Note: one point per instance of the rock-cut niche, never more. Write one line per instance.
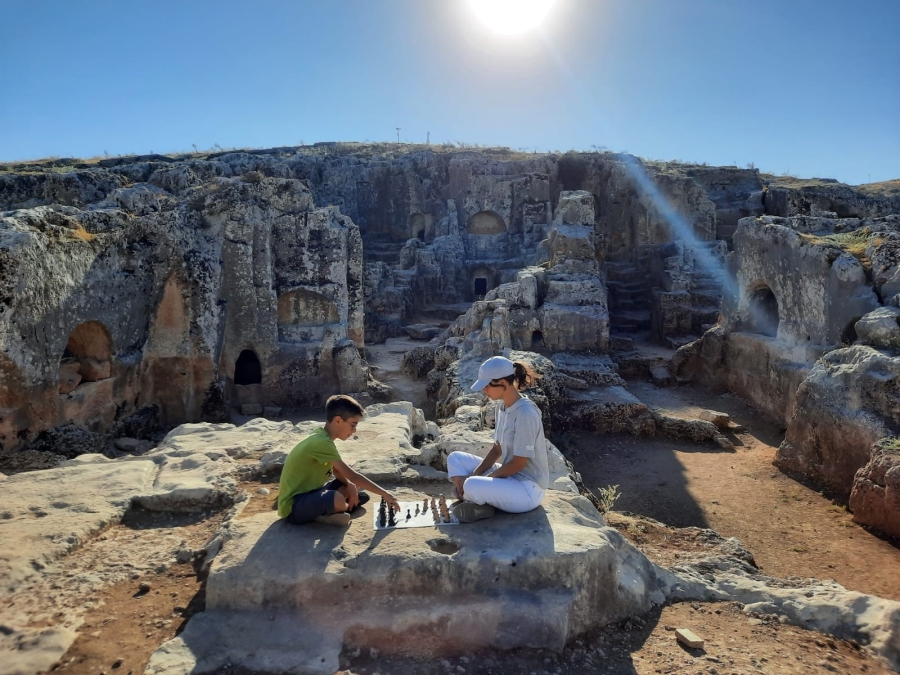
(87, 356)
(486, 222)
(303, 316)
(421, 227)
(482, 281)
(247, 368)
(762, 312)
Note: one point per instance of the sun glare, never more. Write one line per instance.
(511, 16)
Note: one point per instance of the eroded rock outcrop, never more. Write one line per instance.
(214, 292)
(798, 287)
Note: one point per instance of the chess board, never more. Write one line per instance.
(423, 519)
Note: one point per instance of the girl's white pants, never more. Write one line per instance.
(508, 494)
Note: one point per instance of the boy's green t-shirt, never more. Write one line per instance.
(306, 468)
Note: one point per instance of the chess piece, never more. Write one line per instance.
(417, 508)
(392, 521)
(425, 505)
(382, 513)
(434, 514)
(408, 516)
(445, 512)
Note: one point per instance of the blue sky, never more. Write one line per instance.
(808, 87)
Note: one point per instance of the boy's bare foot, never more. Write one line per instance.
(339, 519)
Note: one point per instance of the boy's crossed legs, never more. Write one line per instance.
(329, 504)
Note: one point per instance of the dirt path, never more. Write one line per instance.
(385, 361)
(791, 529)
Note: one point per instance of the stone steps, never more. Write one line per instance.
(640, 319)
(705, 297)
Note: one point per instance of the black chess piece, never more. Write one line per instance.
(391, 519)
(382, 513)
(408, 515)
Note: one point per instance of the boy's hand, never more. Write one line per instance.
(352, 495)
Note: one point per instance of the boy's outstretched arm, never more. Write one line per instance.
(351, 477)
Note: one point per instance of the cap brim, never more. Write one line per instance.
(479, 385)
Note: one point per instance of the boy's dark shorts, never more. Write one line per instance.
(310, 505)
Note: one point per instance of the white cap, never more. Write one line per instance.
(493, 369)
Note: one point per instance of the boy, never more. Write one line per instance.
(305, 493)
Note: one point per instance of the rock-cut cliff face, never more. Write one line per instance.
(183, 298)
(182, 286)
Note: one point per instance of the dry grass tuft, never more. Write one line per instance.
(82, 234)
(855, 243)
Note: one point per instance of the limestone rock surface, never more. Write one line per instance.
(844, 405)
(875, 499)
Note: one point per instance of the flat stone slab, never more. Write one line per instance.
(46, 514)
(608, 409)
(528, 580)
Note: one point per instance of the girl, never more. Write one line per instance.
(517, 483)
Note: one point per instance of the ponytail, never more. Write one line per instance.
(523, 376)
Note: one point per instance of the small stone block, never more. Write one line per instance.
(660, 376)
(272, 411)
(720, 419)
(251, 409)
(688, 638)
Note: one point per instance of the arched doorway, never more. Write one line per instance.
(247, 368)
(483, 280)
(762, 312)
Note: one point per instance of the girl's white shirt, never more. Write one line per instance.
(520, 432)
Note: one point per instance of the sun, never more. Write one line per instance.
(511, 16)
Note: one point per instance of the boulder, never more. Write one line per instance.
(880, 328)
(607, 409)
(845, 404)
(251, 409)
(875, 498)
